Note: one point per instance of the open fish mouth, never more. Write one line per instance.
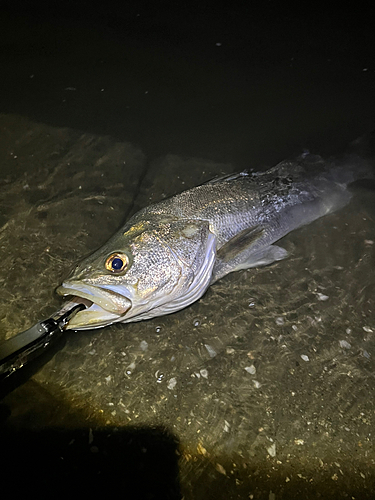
(103, 306)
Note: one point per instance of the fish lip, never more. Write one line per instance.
(108, 300)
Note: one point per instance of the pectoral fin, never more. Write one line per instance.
(248, 258)
(239, 243)
(264, 257)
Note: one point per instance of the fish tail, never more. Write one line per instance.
(364, 146)
(358, 162)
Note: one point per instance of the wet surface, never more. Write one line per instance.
(262, 389)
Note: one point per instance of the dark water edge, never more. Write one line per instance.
(264, 388)
(230, 83)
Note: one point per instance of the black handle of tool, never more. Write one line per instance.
(27, 345)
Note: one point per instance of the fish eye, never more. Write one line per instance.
(117, 262)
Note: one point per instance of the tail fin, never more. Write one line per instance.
(363, 146)
(357, 163)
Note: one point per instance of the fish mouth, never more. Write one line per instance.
(103, 306)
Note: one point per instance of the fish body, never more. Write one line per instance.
(165, 257)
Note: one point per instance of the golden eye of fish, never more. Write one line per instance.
(117, 262)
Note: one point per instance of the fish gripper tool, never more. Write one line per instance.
(26, 346)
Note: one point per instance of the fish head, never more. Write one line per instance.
(147, 269)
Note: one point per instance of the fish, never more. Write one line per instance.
(166, 255)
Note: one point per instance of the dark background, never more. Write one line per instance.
(284, 77)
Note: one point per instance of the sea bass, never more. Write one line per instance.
(165, 257)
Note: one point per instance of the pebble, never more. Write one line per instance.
(130, 368)
(144, 345)
(272, 450)
(304, 357)
(172, 383)
(251, 369)
(211, 351)
(344, 344)
(221, 469)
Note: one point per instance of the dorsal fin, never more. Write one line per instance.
(228, 177)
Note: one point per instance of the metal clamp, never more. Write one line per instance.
(27, 345)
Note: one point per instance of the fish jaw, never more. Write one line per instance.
(106, 306)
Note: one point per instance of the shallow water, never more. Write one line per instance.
(262, 389)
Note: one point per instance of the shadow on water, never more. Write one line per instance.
(137, 463)
(148, 463)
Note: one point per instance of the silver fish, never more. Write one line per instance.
(167, 254)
